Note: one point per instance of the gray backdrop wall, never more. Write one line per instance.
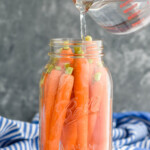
(26, 26)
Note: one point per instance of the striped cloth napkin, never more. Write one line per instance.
(131, 131)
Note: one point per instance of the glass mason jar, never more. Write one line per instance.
(75, 97)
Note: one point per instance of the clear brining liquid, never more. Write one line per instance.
(83, 7)
(83, 25)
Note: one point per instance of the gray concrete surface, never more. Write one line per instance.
(26, 26)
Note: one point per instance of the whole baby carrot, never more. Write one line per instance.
(92, 49)
(68, 140)
(47, 70)
(59, 112)
(96, 88)
(81, 92)
(91, 115)
(95, 101)
(66, 54)
(50, 89)
(101, 135)
(43, 81)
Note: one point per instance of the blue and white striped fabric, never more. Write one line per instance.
(16, 135)
(131, 131)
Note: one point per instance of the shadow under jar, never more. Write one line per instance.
(75, 97)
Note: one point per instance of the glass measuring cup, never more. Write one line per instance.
(117, 16)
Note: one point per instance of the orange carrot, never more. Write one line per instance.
(95, 101)
(94, 94)
(91, 48)
(91, 68)
(42, 119)
(47, 70)
(43, 81)
(66, 58)
(96, 89)
(50, 89)
(81, 92)
(102, 134)
(69, 135)
(60, 108)
(66, 54)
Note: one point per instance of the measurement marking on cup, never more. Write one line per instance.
(126, 3)
(134, 15)
(130, 8)
(137, 23)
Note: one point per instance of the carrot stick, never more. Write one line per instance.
(48, 69)
(50, 89)
(66, 50)
(101, 135)
(42, 119)
(96, 89)
(91, 68)
(69, 134)
(81, 92)
(43, 81)
(91, 50)
(95, 101)
(60, 108)
(92, 117)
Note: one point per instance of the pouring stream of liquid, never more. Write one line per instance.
(83, 6)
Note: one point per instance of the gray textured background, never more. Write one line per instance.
(26, 26)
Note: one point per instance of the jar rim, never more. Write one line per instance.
(59, 41)
(88, 47)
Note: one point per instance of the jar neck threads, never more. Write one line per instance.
(74, 48)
